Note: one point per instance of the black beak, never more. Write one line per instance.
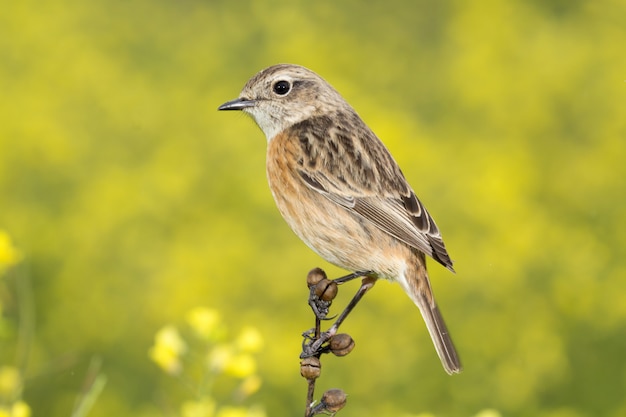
(237, 104)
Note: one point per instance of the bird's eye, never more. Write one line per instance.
(282, 87)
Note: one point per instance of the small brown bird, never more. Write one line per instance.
(341, 191)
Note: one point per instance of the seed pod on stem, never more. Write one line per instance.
(341, 344)
(314, 276)
(310, 367)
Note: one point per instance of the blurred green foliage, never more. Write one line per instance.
(133, 200)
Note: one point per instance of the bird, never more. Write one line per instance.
(341, 191)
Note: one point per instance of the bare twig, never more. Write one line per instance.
(322, 292)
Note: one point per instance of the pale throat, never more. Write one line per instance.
(273, 123)
(270, 126)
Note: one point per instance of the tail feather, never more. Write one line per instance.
(438, 333)
(417, 286)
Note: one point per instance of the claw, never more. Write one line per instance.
(320, 307)
(316, 347)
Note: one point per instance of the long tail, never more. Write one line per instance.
(418, 288)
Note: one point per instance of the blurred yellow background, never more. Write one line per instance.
(133, 201)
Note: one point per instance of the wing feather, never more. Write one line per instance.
(360, 175)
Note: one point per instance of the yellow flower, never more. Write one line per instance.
(10, 382)
(202, 408)
(204, 321)
(249, 340)
(241, 365)
(224, 358)
(250, 385)
(20, 409)
(220, 356)
(9, 255)
(167, 349)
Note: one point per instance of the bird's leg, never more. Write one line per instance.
(315, 347)
(350, 277)
(319, 306)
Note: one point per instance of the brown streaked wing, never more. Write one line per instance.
(387, 201)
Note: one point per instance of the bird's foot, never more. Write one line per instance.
(312, 346)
